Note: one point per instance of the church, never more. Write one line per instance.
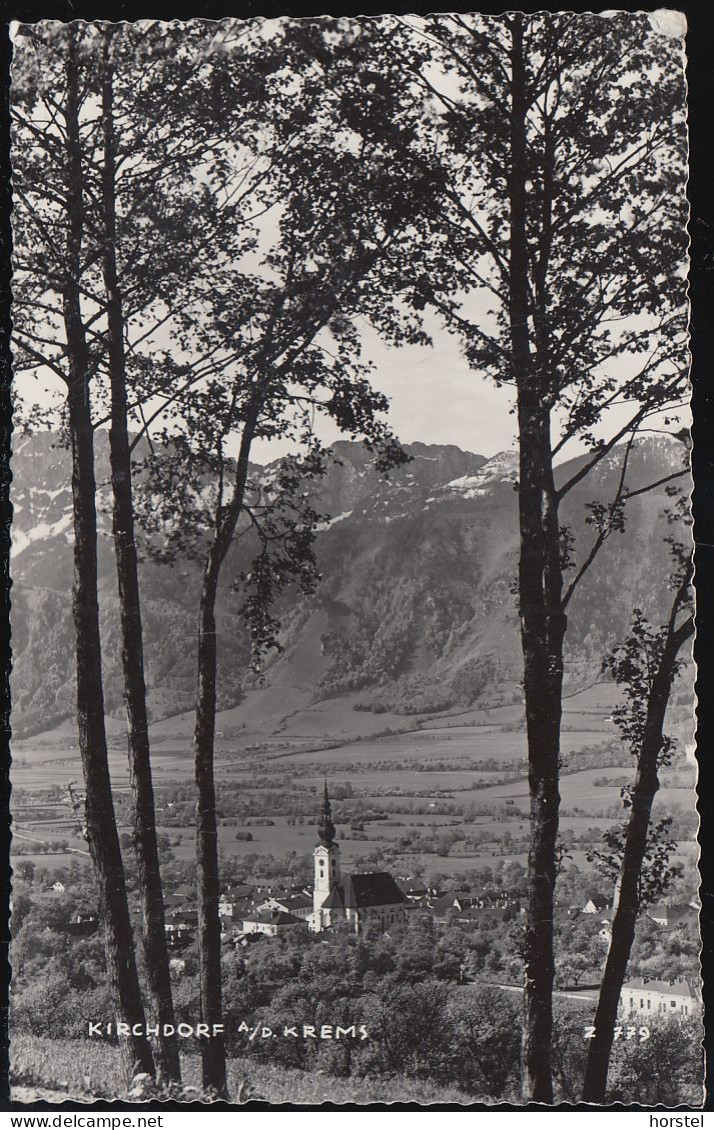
(360, 900)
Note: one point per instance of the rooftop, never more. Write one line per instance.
(669, 988)
(376, 888)
(274, 918)
(672, 911)
(297, 901)
(335, 900)
(600, 901)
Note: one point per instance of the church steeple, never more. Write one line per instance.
(327, 864)
(326, 829)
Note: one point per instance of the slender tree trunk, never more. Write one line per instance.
(543, 621)
(101, 820)
(624, 923)
(143, 812)
(543, 625)
(208, 880)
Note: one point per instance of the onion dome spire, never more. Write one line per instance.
(326, 829)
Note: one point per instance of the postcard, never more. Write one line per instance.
(353, 694)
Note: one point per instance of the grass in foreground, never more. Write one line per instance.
(94, 1071)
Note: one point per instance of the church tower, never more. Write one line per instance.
(326, 856)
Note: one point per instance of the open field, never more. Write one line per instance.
(53, 861)
(470, 743)
(458, 759)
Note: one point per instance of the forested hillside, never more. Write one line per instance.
(415, 610)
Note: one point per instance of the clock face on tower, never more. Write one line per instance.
(326, 865)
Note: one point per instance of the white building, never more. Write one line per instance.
(271, 922)
(645, 998)
(596, 904)
(296, 903)
(225, 906)
(359, 900)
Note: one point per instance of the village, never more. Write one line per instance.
(374, 903)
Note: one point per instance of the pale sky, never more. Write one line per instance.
(435, 398)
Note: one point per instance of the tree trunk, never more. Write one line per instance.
(101, 820)
(143, 812)
(208, 880)
(624, 923)
(543, 625)
(543, 621)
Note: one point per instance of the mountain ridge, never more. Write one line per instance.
(414, 612)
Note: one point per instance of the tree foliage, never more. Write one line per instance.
(560, 263)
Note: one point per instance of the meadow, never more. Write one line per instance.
(91, 1070)
(467, 762)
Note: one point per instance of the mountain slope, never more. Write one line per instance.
(415, 610)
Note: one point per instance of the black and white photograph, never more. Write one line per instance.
(353, 711)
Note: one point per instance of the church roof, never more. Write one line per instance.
(377, 888)
(335, 900)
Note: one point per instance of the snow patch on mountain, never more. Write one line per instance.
(502, 467)
(21, 540)
(333, 521)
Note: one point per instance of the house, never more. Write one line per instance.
(83, 925)
(419, 906)
(226, 904)
(648, 997)
(178, 934)
(242, 891)
(481, 897)
(670, 915)
(272, 923)
(243, 907)
(482, 915)
(238, 891)
(563, 914)
(185, 894)
(605, 919)
(298, 904)
(173, 904)
(373, 898)
(414, 890)
(596, 904)
(450, 902)
(188, 918)
(276, 886)
(58, 887)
